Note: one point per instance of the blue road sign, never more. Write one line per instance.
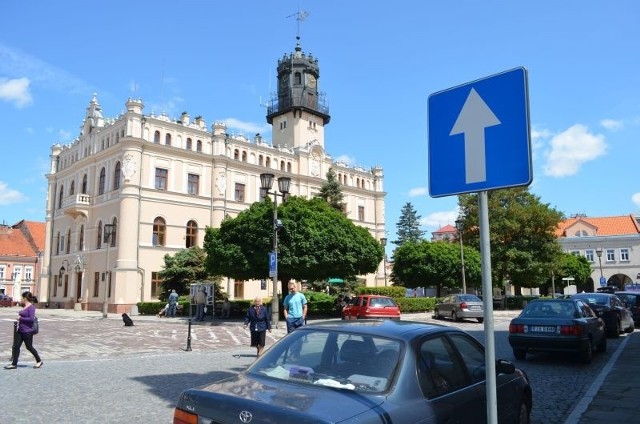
(479, 135)
(273, 264)
(603, 281)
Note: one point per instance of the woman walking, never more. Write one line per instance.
(259, 323)
(26, 316)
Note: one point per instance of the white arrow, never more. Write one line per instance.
(474, 117)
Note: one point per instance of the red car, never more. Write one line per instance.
(371, 306)
(6, 300)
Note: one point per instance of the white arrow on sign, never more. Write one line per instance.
(474, 117)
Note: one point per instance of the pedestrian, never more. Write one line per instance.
(26, 318)
(163, 311)
(173, 303)
(201, 301)
(226, 308)
(295, 308)
(259, 323)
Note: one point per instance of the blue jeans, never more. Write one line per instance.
(171, 312)
(293, 323)
(200, 312)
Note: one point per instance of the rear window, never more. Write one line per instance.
(594, 298)
(381, 301)
(470, 298)
(542, 309)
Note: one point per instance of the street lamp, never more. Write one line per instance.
(599, 253)
(266, 182)
(109, 231)
(459, 227)
(79, 267)
(383, 242)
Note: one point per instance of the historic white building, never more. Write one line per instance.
(157, 183)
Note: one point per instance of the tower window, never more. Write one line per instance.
(297, 78)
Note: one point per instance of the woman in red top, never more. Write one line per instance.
(25, 332)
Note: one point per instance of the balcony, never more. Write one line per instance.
(77, 205)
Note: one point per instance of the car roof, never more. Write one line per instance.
(373, 295)
(406, 330)
(635, 293)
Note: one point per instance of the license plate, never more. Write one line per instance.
(542, 329)
(474, 307)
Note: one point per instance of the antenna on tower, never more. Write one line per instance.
(300, 15)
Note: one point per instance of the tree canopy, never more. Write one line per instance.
(315, 242)
(408, 226)
(522, 235)
(187, 266)
(439, 264)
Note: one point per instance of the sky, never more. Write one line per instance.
(379, 63)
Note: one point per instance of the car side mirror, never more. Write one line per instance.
(504, 367)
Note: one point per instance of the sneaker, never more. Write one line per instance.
(10, 367)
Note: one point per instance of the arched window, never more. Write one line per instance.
(102, 181)
(116, 176)
(189, 144)
(167, 139)
(260, 160)
(282, 165)
(72, 189)
(114, 232)
(268, 163)
(84, 184)
(159, 231)
(60, 197)
(191, 238)
(67, 248)
(156, 137)
(288, 166)
(236, 154)
(81, 239)
(99, 240)
(244, 156)
(199, 145)
(58, 243)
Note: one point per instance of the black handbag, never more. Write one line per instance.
(35, 327)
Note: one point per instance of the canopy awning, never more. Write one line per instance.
(335, 281)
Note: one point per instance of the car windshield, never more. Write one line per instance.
(542, 309)
(342, 360)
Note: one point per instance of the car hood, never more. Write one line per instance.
(270, 401)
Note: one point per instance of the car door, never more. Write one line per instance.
(625, 315)
(445, 384)
(445, 306)
(596, 324)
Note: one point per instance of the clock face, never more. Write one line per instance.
(311, 81)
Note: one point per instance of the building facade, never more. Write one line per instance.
(136, 187)
(21, 252)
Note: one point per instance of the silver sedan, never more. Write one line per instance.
(460, 306)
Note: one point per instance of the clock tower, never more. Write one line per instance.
(298, 112)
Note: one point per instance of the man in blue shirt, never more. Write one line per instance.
(173, 303)
(295, 308)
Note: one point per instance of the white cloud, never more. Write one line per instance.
(418, 191)
(438, 220)
(345, 159)
(16, 91)
(9, 196)
(248, 127)
(572, 148)
(635, 198)
(612, 124)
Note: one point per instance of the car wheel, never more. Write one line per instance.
(602, 346)
(523, 414)
(480, 320)
(520, 354)
(630, 328)
(454, 316)
(436, 314)
(587, 354)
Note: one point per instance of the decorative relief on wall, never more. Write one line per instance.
(129, 166)
(221, 182)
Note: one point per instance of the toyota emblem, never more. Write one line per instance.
(245, 416)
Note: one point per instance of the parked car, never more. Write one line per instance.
(5, 300)
(631, 300)
(371, 306)
(610, 308)
(557, 325)
(460, 306)
(367, 372)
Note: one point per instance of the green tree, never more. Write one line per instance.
(408, 226)
(187, 266)
(574, 266)
(436, 264)
(315, 242)
(522, 236)
(332, 193)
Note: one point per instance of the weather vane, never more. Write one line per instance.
(300, 15)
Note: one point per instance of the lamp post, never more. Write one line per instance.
(460, 227)
(383, 242)
(599, 253)
(266, 182)
(109, 230)
(79, 267)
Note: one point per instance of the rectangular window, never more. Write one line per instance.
(624, 254)
(360, 213)
(611, 255)
(16, 273)
(96, 284)
(28, 273)
(589, 254)
(193, 186)
(155, 285)
(65, 293)
(239, 192)
(575, 252)
(161, 178)
(3, 270)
